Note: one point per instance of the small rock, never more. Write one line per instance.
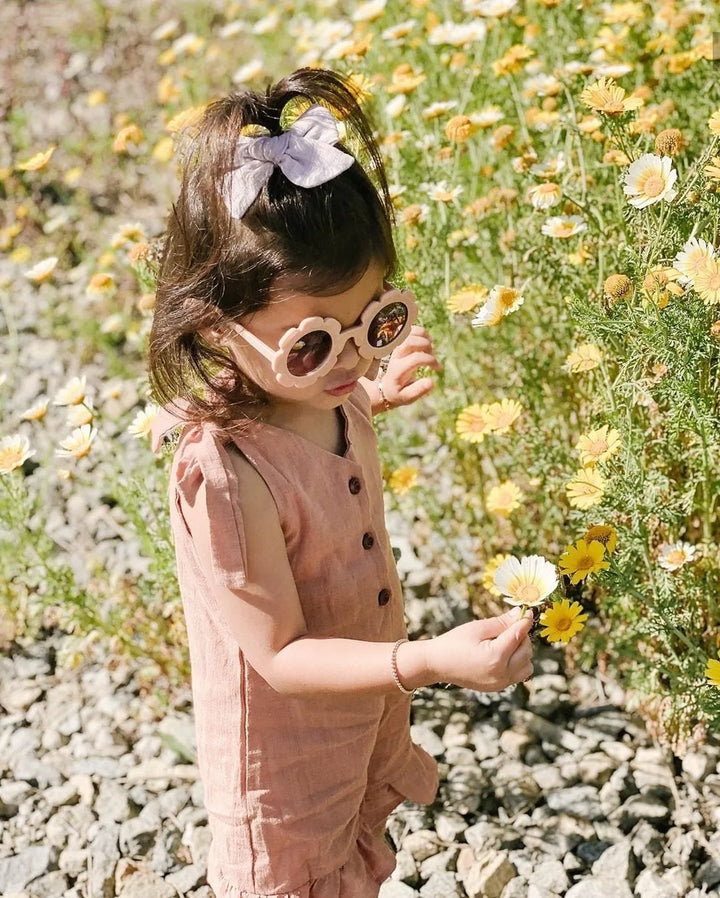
(550, 876)
(489, 875)
(441, 885)
(617, 862)
(391, 888)
(578, 801)
(422, 844)
(19, 869)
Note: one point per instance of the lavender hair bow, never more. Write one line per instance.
(305, 153)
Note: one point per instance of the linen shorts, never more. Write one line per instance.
(370, 863)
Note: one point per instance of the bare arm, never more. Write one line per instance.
(265, 617)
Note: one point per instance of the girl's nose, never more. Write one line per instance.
(349, 355)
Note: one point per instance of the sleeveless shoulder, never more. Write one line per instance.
(205, 490)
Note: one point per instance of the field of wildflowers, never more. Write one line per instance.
(555, 168)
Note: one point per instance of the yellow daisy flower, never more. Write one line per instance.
(598, 445)
(36, 162)
(511, 61)
(712, 672)
(403, 479)
(586, 489)
(714, 123)
(163, 149)
(186, 119)
(504, 498)
(129, 134)
(602, 533)
(608, 97)
(14, 449)
(467, 298)
(712, 169)
(562, 621)
(100, 283)
(582, 559)
(500, 416)
(471, 424)
(586, 357)
(488, 576)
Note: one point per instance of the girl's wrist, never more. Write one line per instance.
(411, 664)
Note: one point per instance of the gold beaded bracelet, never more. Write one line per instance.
(386, 401)
(395, 674)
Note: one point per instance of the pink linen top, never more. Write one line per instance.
(284, 776)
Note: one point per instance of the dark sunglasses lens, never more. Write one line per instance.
(310, 351)
(387, 324)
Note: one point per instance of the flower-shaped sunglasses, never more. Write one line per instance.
(309, 350)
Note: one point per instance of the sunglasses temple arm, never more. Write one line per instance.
(256, 343)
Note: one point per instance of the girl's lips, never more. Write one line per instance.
(342, 389)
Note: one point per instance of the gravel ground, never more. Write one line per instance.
(547, 789)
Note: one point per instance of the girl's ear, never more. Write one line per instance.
(212, 335)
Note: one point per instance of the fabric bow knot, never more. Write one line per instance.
(306, 154)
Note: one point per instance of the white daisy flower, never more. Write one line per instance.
(73, 393)
(142, 422)
(42, 271)
(694, 257)
(369, 11)
(487, 116)
(436, 109)
(395, 106)
(501, 301)
(550, 168)
(650, 179)
(494, 8)
(458, 35)
(526, 581)
(78, 444)
(14, 449)
(396, 34)
(166, 30)
(674, 555)
(564, 226)
(544, 196)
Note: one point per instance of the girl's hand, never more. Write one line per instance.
(485, 655)
(398, 384)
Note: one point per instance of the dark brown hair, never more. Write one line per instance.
(214, 268)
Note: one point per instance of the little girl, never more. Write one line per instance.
(273, 311)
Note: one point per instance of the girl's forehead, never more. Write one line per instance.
(294, 304)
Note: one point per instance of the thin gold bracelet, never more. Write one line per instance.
(395, 674)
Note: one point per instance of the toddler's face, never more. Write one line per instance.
(285, 311)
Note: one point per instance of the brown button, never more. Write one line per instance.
(354, 485)
(383, 597)
(367, 541)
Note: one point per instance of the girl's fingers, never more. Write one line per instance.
(409, 364)
(415, 390)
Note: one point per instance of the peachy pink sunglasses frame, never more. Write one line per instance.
(359, 333)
